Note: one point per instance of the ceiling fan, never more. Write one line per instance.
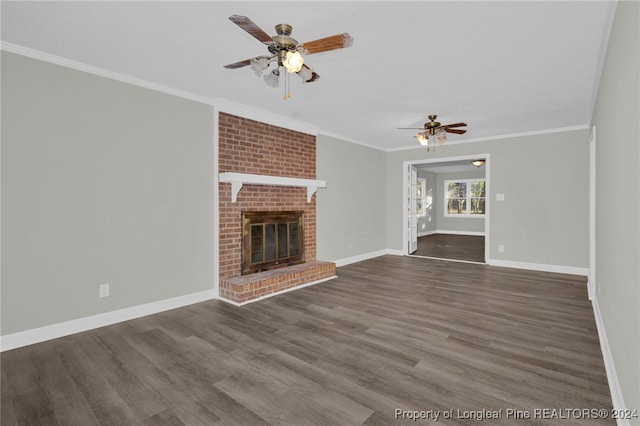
(433, 131)
(285, 51)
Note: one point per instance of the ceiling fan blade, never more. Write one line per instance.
(454, 125)
(337, 41)
(238, 64)
(456, 131)
(249, 26)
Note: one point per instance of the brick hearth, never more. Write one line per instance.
(241, 288)
(248, 146)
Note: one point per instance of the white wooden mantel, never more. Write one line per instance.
(239, 179)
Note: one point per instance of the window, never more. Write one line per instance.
(464, 198)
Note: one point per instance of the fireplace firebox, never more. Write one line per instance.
(271, 239)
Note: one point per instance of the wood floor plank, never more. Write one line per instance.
(390, 333)
(7, 410)
(451, 246)
(105, 402)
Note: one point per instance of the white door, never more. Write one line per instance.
(413, 213)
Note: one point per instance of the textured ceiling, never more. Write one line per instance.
(505, 68)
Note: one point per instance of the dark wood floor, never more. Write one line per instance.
(449, 246)
(389, 333)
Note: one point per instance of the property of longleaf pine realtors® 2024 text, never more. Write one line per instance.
(511, 413)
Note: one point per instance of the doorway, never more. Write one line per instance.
(447, 208)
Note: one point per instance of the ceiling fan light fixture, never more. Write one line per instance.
(423, 138)
(285, 51)
(272, 78)
(306, 74)
(293, 61)
(258, 65)
(433, 132)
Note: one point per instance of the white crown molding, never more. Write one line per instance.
(53, 331)
(241, 110)
(220, 103)
(251, 113)
(505, 136)
(350, 140)
(601, 59)
(79, 66)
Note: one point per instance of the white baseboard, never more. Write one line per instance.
(492, 262)
(359, 258)
(286, 290)
(41, 334)
(591, 289)
(395, 252)
(440, 231)
(539, 267)
(442, 259)
(612, 376)
(472, 233)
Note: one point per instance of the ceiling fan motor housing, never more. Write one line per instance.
(285, 49)
(283, 40)
(433, 124)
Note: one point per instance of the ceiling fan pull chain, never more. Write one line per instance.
(286, 83)
(287, 87)
(286, 51)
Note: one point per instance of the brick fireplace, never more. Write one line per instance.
(251, 147)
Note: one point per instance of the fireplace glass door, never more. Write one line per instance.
(271, 240)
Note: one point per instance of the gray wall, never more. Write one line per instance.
(351, 211)
(544, 218)
(618, 199)
(102, 182)
(456, 224)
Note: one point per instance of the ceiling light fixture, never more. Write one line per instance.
(271, 78)
(258, 65)
(477, 163)
(293, 62)
(286, 54)
(423, 138)
(285, 51)
(433, 132)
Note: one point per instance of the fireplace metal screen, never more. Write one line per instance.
(271, 240)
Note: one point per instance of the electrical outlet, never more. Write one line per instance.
(104, 290)
(501, 248)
